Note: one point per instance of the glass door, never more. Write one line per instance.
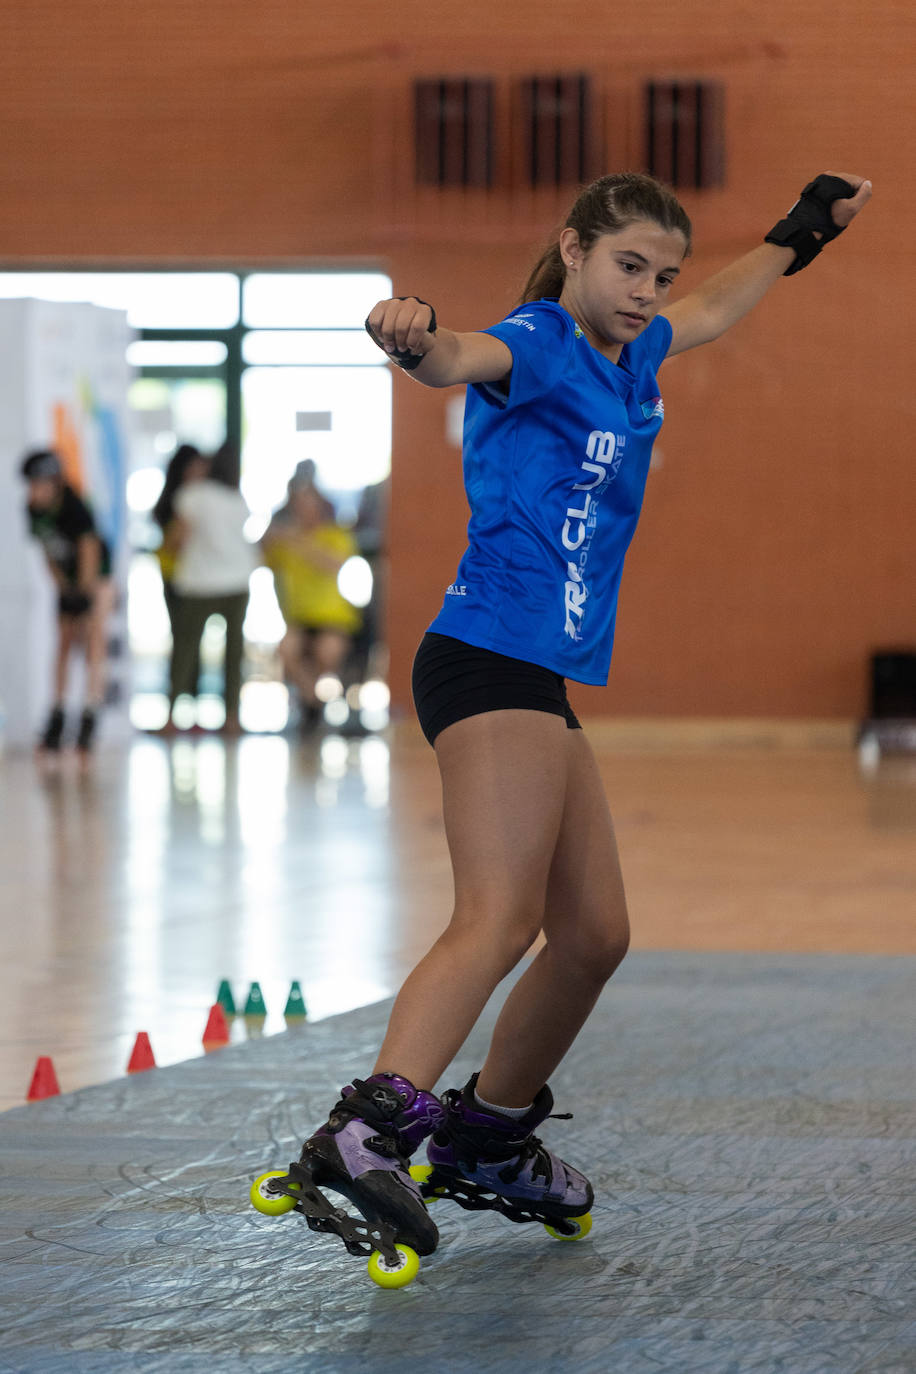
(178, 398)
(278, 362)
(316, 397)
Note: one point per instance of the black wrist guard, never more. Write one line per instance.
(408, 361)
(809, 215)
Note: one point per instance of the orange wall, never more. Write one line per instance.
(776, 543)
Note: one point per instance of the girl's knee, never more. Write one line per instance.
(506, 936)
(616, 946)
(597, 952)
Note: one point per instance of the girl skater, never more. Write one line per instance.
(79, 562)
(562, 411)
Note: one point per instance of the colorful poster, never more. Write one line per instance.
(65, 387)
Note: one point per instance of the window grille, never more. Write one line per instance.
(557, 124)
(685, 132)
(453, 120)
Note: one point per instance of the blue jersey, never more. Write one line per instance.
(554, 473)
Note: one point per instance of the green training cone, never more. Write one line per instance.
(255, 1004)
(295, 1005)
(225, 998)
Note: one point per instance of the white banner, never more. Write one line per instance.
(63, 386)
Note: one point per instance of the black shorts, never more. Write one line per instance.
(453, 680)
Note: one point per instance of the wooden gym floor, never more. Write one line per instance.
(130, 891)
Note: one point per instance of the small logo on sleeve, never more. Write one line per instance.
(654, 409)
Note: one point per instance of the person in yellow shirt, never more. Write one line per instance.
(305, 551)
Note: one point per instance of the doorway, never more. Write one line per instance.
(278, 363)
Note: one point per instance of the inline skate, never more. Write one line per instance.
(362, 1153)
(86, 731)
(51, 736)
(486, 1161)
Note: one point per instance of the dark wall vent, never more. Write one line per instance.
(453, 121)
(685, 132)
(557, 127)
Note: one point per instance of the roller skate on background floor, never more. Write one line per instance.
(86, 733)
(55, 740)
(52, 736)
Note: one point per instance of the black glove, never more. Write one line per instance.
(809, 215)
(404, 359)
(74, 603)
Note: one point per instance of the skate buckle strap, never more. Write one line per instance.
(533, 1152)
(476, 1143)
(386, 1145)
(363, 1102)
(372, 1099)
(386, 1100)
(376, 1105)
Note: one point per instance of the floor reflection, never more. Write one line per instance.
(131, 891)
(266, 708)
(174, 865)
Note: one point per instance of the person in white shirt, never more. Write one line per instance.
(215, 564)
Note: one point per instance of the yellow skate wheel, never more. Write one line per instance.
(583, 1224)
(395, 1275)
(420, 1174)
(271, 1204)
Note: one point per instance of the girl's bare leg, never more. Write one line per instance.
(504, 786)
(587, 932)
(330, 650)
(66, 638)
(291, 651)
(97, 643)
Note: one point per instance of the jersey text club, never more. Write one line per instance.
(555, 474)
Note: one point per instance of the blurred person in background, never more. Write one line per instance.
(213, 569)
(187, 464)
(302, 478)
(371, 533)
(79, 562)
(305, 552)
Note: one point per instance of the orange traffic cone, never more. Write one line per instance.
(141, 1056)
(216, 1032)
(44, 1081)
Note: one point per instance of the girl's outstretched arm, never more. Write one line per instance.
(447, 359)
(722, 300)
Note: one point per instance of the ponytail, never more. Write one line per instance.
(547, 276)
(605, 207)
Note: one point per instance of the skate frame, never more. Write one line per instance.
(473, 1198)
(360, 1237)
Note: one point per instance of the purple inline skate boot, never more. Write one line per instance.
(485, 1161)
(362, 1152)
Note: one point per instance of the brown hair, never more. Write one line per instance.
(605, 207)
